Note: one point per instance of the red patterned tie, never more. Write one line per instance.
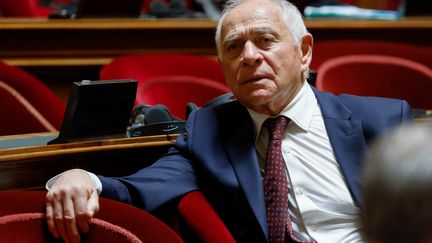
(275, 181)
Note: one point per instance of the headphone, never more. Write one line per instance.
(146, 120)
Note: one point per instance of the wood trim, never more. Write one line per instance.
(38, 152)
(110, 24)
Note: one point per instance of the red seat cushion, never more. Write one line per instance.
(22, 220)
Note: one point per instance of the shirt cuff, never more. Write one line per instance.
(96, 182)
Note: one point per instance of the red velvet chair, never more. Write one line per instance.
(24, 8)
(23, 211)
(143, 67)
(29, 104)
(378, 75)
(324, 50)
(22, 219)
(19, 115)
(200, 218)
(176, 91)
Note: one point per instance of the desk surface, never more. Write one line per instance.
(30, 167)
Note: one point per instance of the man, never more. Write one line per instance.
(397, 187)
(265, 51)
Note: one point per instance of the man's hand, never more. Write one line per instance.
(70, 204)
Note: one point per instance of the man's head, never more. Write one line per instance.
(265, 52)
(397, 187)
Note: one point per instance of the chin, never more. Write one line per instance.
(251, 100)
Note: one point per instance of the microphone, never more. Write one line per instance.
(158, 114)
(154, 120)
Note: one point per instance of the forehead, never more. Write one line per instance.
(251, 15)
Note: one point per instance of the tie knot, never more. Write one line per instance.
(276, 127)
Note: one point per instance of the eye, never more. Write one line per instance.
(232, 47)
(266, 40)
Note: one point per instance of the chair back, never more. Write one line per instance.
(176, 92)
(38, 109)
(24, 8)
(22, 219)
(143, 67)
(324, 50)
(201, 221)
(20, 116)
(378, 75)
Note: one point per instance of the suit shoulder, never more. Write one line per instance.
(377, 112)
(353, 99)
(224, 117)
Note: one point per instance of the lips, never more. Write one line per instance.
(254, 78)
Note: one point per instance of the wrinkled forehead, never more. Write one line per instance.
(252, 15)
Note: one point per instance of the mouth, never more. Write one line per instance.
(254, 79)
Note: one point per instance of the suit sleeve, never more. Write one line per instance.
(406, 112)
(168, 178)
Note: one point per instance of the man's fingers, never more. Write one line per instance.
(70, 223)
(58, 218)
(93, 203)
(50, 220)
(83, 212)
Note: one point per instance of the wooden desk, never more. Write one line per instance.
(31, 167)
(62, 51)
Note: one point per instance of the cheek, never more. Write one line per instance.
(230, 73)
(289, 66)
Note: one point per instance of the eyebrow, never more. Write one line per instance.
(256, 30)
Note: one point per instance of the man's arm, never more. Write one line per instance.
(70, 204)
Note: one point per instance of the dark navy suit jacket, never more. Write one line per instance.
(217, 156)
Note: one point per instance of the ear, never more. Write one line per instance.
(306, 49)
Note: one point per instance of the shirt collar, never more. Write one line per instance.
(300, 110)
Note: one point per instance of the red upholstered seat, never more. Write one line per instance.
(324, 50)
(176, 91)
(23, 211)
(24, 8)
(27, 101)
(22, 220)
(20, 116)
(143, 67)
(378, 75)
(202, 220)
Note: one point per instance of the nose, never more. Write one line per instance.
(251, 55)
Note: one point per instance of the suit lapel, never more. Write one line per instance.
(347, 140)
(243, 157)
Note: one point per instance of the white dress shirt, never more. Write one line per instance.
(321, 206)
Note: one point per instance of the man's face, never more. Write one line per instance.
(262, 66)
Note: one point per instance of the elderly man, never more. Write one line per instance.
(294, 177)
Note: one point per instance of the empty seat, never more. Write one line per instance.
(177, 91)
(324, 50)
(27, 104)
(378, 75)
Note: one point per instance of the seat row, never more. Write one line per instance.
(368, 68)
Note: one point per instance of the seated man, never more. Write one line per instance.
(294, 176)
(397, 187)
